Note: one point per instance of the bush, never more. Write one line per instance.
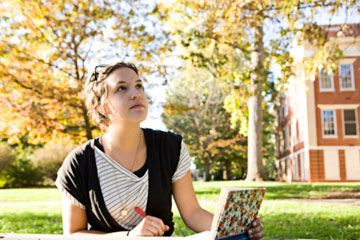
(21, 173)
(270, 170)
(49, 158)
(6, 156)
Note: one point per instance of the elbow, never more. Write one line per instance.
(190, 217)
(69, 231)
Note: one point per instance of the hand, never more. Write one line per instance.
(256, 230)
(150, 226)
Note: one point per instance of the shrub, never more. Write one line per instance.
(6, 156)
(22, 173)
(50, 157)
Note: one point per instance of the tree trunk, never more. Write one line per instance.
(255, 166)
(207, 170)
(86, 121)
(227, 175)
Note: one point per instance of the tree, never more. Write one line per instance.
(240, 25)
(194, 108)
(46, 48)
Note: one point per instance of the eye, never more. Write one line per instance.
(140, 86)
(121, 88)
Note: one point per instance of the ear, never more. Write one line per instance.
(103, 110)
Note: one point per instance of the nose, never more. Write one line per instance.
(134, 93)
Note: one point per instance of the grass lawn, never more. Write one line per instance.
(39, 210)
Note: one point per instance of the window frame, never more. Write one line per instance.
(322, 124)
(356, 123)
(332, 89)
(351, 76)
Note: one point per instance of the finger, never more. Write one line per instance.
(256, 222)
(158, 221)
(160, 226)
(146, 232)
(153, 230)
(255, 230)
(258, 236)
(258, 229)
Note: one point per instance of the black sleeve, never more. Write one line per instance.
(70, 178)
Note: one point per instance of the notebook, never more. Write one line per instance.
(236, 210)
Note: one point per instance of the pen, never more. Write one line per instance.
(140, 212)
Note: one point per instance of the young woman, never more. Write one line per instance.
(104, 179)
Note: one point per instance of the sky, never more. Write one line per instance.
(154, 120)
(158, 92)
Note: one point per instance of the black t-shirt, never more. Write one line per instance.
(78, 176)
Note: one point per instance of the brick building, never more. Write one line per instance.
(318, 121)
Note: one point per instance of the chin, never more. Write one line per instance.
(139, 117)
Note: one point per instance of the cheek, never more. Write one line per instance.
(118, 103)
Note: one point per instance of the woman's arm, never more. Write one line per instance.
(195, 217)
(75, 220)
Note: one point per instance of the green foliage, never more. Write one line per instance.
(194, 108)
(47, 49)
(6, 156)
(49, 158)
(230, 40)
(21, 172)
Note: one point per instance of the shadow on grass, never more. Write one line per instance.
(289, 225)
(52, 224)
(288, 191)
(300, 226)
(27, 222)
(284, 225)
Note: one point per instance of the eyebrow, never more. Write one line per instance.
(139, 80)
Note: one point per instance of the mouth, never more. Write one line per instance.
(137, 106)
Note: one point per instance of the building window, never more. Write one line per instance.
(293, 133)
(284, 140)
(349, 121)
(281, 142)
(329, 123)
(326, 80)
(346, 76)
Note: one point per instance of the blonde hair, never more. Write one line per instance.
(95, 91)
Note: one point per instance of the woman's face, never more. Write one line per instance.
(126, 100)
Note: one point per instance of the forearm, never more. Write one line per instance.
(94, 232)
(200, 220)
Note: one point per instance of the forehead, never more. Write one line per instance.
(122, 74)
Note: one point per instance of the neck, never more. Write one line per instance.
(123, 138)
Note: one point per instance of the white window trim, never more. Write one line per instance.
(352, 78)
(286, 108)
(356, 122)
(337, 106)
(332, 89)
(322, 124)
